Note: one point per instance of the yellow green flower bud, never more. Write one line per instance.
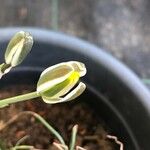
(18, 48)
(56, 82)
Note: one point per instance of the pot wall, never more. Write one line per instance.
(121, 97)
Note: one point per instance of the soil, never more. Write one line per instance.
(91, 134)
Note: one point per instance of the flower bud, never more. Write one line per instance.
(56, 82)
(18, 48)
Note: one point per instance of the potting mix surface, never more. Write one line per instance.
(92, 131)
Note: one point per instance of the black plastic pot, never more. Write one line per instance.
(114, 91)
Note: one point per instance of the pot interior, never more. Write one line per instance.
(114, 92)
(98, 103)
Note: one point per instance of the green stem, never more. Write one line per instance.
(46, 124)
(20, 98)
(4, 68)
(21, 140)
(49, 127)
(22, 147)
(73, 137)
(39, 118)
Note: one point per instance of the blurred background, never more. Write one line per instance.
(120, 27)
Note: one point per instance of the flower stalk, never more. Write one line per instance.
(56, 84)
(20, 98)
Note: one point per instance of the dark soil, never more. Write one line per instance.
(91, 132)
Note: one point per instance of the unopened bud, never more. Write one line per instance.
(58, 80)
(18, 48)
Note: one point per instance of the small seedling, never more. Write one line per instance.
(61, 145)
